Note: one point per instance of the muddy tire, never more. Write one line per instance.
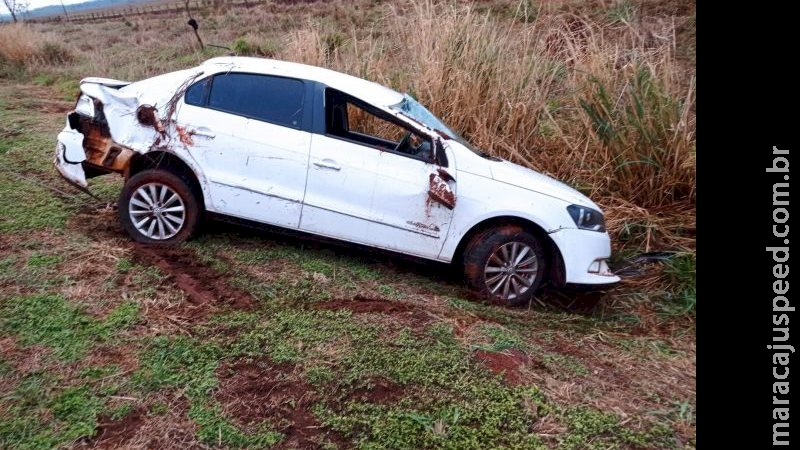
(505, 264)
(158, 207)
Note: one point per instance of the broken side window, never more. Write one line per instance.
(362, 122)
(348, 118)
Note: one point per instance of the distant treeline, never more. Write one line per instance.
(55, 10)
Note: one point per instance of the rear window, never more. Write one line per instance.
(272, 99)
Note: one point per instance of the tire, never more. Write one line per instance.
(489, 265)
(160, 221)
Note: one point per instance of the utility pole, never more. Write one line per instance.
(65, 10)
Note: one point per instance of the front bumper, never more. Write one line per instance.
(585, 255)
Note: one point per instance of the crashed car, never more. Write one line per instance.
(325, 153)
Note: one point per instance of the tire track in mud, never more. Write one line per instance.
(205, 287)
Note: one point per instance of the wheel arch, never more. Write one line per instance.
(170, 162)
(556, 271)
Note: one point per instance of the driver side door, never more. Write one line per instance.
(363, 188)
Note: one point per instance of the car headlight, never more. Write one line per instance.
(587, 218)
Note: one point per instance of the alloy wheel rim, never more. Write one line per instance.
(511, 270)
(157, 211)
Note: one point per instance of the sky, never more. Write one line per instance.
(39, 3)
(33, 4)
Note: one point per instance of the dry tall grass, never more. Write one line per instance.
(592, 93)
(21, 45)
(605, 107)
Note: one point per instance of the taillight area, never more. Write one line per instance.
(74, 120)
(85, 105)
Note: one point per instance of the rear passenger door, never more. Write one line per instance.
(249, 131)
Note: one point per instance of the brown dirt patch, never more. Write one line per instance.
(24, 359)
(117, 433)
(508, 362)
(98, 222)
(120, 356)
(200, 288)
(254, 392)
(204, 286)
(364, 305)
(172, 430)
(379, 391)
(55, 107)
(141, 429)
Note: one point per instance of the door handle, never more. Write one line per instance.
(327, 164)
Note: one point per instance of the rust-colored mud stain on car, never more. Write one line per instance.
(185, 136)
(440, 192)
(147, 115)
(472, 270)
(100, 149)
(510, 230)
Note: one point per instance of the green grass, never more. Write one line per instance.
(28, 206)
(53, 393)
(564, 366)
(681, 271)
(26, 201)
(66, 87)
(486, 417)
(448, 403)
(77, 408)
(501, 339)
(52, 322)
(42, 413)
(190, 364)
(180, 361)
(44, 260)
(592, 429)
(217, 429)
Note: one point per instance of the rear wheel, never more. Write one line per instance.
(158, 207)
(505, 264)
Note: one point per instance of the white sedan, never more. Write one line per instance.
(326, 153)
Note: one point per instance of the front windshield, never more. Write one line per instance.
(414, 109)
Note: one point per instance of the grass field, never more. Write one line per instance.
(244, 338)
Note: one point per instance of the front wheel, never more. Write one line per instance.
(505, 264)
(158, 207)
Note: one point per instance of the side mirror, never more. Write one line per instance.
(439, 155)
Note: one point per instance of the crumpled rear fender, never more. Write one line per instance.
(110, 124)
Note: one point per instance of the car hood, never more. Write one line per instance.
(525, 178)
